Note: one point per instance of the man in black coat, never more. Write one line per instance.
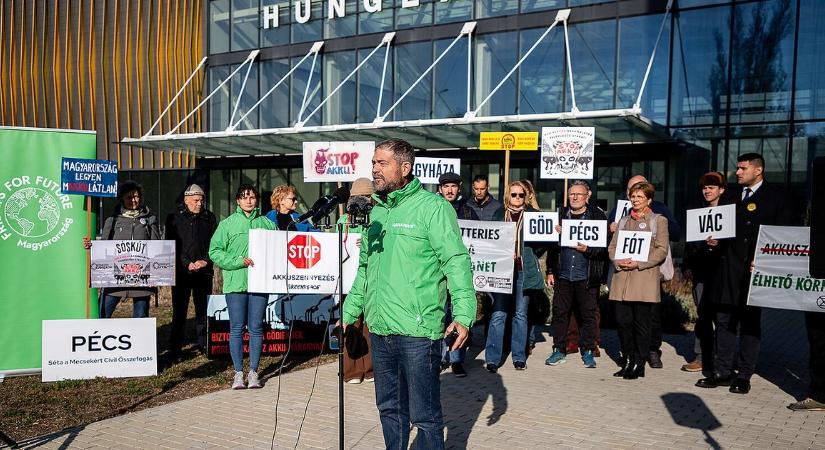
(757, 203)
(191, 227)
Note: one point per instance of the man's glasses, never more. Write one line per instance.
(576, 194)
(517, 195)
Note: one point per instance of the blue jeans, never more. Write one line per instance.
(140, 306)
(246, 309)
(408, 390)
(502, 305)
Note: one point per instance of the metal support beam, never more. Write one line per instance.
(180, 91)
(637, 105)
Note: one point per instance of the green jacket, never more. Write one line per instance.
(230, 244)
(413, 250)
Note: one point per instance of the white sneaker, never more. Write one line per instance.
(369, 380)
(354, 381)
(252, 380)
(237, 382)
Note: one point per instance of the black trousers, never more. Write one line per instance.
(748, 320)
(815, 322)
(568, 295)
(656, 328)
(634, 323)
(199, 287)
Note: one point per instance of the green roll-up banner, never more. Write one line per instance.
(42, 261)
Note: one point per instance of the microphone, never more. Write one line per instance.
(325, 205)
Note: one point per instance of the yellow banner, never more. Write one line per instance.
(517, 140)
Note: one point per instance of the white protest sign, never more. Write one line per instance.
(567, 152)
(592, 233)
(540, 226)
(718, 222)
(491, 246)
(633, 245)
(132, 263)
(427, 170)
(337, 161)
(623, 208)
(309, 259)
(781, 277)
(112, 348)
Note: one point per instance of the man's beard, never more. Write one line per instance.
(389, 186)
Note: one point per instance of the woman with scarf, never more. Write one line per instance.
(526, 276)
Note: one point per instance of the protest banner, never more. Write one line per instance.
(508, 140)
(491, 250)
(718, 222)
(623, 209)
(427, 170)
(299, 318)
(592, 233)
(540, 226)
(567, 152)
(92, 177)
(111, 348)
(309, 260)
(633, 245)
(781, 277)
(133, 263)
(41, 258)
(337, 161)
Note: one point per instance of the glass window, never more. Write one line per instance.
(376, 22)
(313, 29)
(700, 66)
(808, 144)
(343, 26)
(689, 3)
(762, 61)
(411, 61)
(493, 8)
(593, 50)
(245, 22)
(495, 54)
(245, 99)
(450, 80)
(340, 108)
(270, 179)
(221, 195)
(586, 2)
(770, 141)
(637, 38)
(275, 107)
(369, 85)
(542, 81)
(414, 16)
(219, 103)
(810, 65)
(304, 99)
(307, 193)
(219, 26)
(279, 35)
(453, 11)
(537, 5)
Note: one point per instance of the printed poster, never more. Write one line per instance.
(567, 152)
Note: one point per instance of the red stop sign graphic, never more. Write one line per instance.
(303, 251)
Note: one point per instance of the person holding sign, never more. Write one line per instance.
(635, 285)
(228, 250)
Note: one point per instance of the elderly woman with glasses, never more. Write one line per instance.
(284, 201)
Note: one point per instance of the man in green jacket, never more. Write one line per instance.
(411, 251)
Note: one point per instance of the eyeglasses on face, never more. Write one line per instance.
(518, 195)
(292, 199)
(576, 194)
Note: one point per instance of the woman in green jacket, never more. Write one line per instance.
(229, 250)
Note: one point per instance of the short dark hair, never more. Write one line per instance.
(754, 158)
(713, 179)
(129, 186)
(244, 189)
(402, 150)
(481, 177)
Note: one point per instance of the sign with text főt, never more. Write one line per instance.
(427, 170)
(300, 263)
(633, 245)
(592, 233)
(337, 161)
(540, 226)
(623, 209)
(111, 348)
(93, 177)
(567, 152)
(508, 140)
(718, 222)
(781, 275)
(133, 263)
(491, 250)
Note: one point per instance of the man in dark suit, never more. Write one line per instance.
(758, 203)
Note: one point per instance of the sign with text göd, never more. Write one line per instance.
(427, 170)
(337, 161)
(540, 226)
(112, 348)
(633, 245)
(133, 263)
(592, 233)
(93, 177)
(491, 250)
(310, 260)
(567, 152)
(516, 140)
(718, 222)
(780, 277)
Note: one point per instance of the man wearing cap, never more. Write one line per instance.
(191, 227)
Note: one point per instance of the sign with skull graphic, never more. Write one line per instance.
(567, 152)
(337, 161)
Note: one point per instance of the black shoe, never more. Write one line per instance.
(623, 370)
(492, 368)
(715, 381)
(458, 370)
(635, 370)
(655, 360)
(740, 386)
(445, 365)
(520, 365)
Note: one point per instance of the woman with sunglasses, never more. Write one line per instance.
(284, 201)
(526, 276)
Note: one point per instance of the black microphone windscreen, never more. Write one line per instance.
(342, 194)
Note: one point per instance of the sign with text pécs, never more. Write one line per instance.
(427, 170)
(112, 348)
(633, 245)
(540, 226)
(515, 140)
(93, 177)
(132, 263)
(718, 222)
(567, 152)
(592, 233)
(491, 250)
(337, 161)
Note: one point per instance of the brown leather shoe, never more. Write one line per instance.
(695, 366)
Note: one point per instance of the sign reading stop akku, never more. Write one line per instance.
(303, 251)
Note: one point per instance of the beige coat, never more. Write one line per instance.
(643, 284)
